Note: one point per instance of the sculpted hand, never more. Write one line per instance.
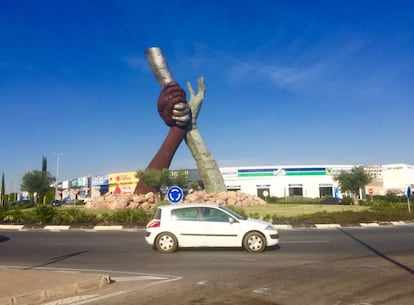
(174, 110)
(173, 107)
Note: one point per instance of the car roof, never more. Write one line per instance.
(185, 205)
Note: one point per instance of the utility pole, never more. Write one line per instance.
(57, 174)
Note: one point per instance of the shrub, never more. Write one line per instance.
(255, 215)
(380, 205)
(16, 216)
(272, 199)
(74, 215)
(130, 216)
(267, 218)
(42, 214)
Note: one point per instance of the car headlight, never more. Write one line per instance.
(270, 227)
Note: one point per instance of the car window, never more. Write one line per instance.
(187, 214)
(234, 214)
(211, 214)
(158, 214)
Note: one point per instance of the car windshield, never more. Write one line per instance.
(232, 213)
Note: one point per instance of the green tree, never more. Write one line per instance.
(45, 184)
(37, 182)
(160, 178)
(2, 194)
(353, 181)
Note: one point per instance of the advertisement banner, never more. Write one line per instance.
(125, 177)
(100, 180)
(122, 182)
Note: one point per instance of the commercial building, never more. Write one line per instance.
(311, 181)
(396, 177)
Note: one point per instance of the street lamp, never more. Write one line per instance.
(57, 173)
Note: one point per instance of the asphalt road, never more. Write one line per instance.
(335, 266)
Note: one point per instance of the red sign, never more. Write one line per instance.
(370, 191)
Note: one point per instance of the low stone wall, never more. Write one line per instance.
(149, 200)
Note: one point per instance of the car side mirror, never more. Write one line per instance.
(231, 220)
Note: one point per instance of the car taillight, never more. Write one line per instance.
(154, 224)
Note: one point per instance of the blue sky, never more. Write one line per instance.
(288, 82)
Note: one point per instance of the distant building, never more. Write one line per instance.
(397, 177)
(99, 185)
(376, 187)
(312, 181)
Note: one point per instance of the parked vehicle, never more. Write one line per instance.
(24, 203)
(207, 225)
(56, 202)
(332, 200)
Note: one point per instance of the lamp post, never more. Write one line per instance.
(57, 173)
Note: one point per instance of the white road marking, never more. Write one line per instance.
(138, 278)
(262, 290)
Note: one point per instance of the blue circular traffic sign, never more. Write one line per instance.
(175, 194)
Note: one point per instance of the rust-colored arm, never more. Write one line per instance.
(173, 109)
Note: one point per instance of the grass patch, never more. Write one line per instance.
(78, 215)
(309, 214)
(297, 209)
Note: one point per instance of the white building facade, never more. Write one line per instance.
(397, 177)
(312, 181)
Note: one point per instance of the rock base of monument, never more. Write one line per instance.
(236, 198)
(149, 201)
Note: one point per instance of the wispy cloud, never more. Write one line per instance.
(275, 73)
(136, 62)
(253, 69)
(326, 65)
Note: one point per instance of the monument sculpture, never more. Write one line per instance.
(181, 118)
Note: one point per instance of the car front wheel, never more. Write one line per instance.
(166, 243)
(254, 242)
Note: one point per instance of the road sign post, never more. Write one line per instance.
(371, 192)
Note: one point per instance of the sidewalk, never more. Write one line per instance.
(34, 286)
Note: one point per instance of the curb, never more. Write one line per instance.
(44, 295)
(67, 228)
(58, 228)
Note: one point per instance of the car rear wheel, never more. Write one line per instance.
(254, 242)
(166, 243)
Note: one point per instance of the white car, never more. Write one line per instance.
(207, 225)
